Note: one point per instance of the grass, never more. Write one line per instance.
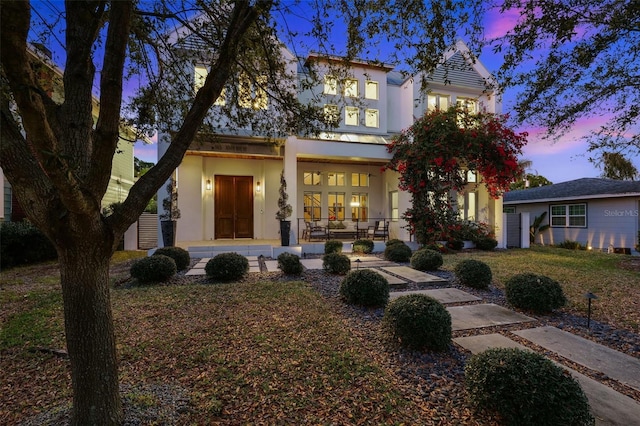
(579, 272)
(268, 350)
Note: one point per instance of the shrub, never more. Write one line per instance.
(426, 260)
(179, 255)
(571, 245)
(332, 246)
(365, 287)
(418, 322)
(397, 252)
(393, 241)
(533, 292)
(525, 388)
(436, 247)
(473, 273)
(153, 269)
(363, 246)
(455, 244)
(227, 267)
(486, 243)
(289, 263)
(22, 243)
(336, 263)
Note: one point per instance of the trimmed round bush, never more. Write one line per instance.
(178, 254)
(532, 292)
(332, 246)
(486, 243)
(474, 273)
(363, 246)
(227, 267)
(393, 241)
(365, 287)
(153, 269)
(426, 260)
(525, 388)
(418, 321)
(289, 263)
(22, 243)
(336, 263)
(398, 252)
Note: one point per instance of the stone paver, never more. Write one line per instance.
(485, 315)
(393, 280)
(414, 275)
(619, 366)
(442, 295)
(196, 271)
(311, 263)
(608, 406)
(271, 265)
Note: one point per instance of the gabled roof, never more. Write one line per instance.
(584, 188)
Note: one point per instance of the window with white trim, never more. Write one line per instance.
(312, 206)
(336, 205)
(359, 179)
(252, 94)
(311, 178)
(351, 88)
(508, 209)
(393, 206)
(371, 118)
(200, 75)
(352, 116)
(437, 101)
(331, 114)
(330, 85)
(359, 207)
(336, 179)
(371, 89)
(569, 215)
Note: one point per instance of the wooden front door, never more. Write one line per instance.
(233, 207)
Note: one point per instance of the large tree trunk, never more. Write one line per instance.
(90, 334)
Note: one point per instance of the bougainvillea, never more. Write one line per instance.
(434, 155)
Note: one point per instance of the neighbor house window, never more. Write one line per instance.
(330, 85)
(336, 205)
(200, 74)
(352, 116)
(508, 209)
(570, 215)
(393, 206)
(311, 178)
(312, 206)
(359, 179)
(359, 207)
(437, 102)
(351, 88)
(331, 114)
(371, 89)
(371, 118)
(335, 179)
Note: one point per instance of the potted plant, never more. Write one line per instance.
(168, 219)
(284, 211)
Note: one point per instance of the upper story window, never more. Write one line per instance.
(200, 74)
(330, 85)
(371, 118)
(438, 102)
(331, 114)
(371, 89)
(335, 179)
(252, 94)
(352, 116)
(351, 88)
(469, 105)
(311, 178)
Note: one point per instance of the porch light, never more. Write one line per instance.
(208, 185)
(258, 186)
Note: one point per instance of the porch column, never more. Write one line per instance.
(498, 223)
(291, 176)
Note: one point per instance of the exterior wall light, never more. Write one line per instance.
(208, 185)
(258, 187)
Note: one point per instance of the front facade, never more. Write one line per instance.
(228, 185)
(597, 213)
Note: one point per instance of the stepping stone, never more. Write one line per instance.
(311, 263)
(442, 295)
(617, 365)
(414, 275)
(608, 406)
(393, 280)
(196, 271)
(271, 265)
(485, 315)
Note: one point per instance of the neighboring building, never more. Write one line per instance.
(228, 184)
(122, 172)
(598, 213)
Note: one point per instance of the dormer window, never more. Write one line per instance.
(252, 95)
(469, 105)
(200, 74)
(437, 102)
(351, 88)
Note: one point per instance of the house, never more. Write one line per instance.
(122, 171)
(598, 213)
(228, 182)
